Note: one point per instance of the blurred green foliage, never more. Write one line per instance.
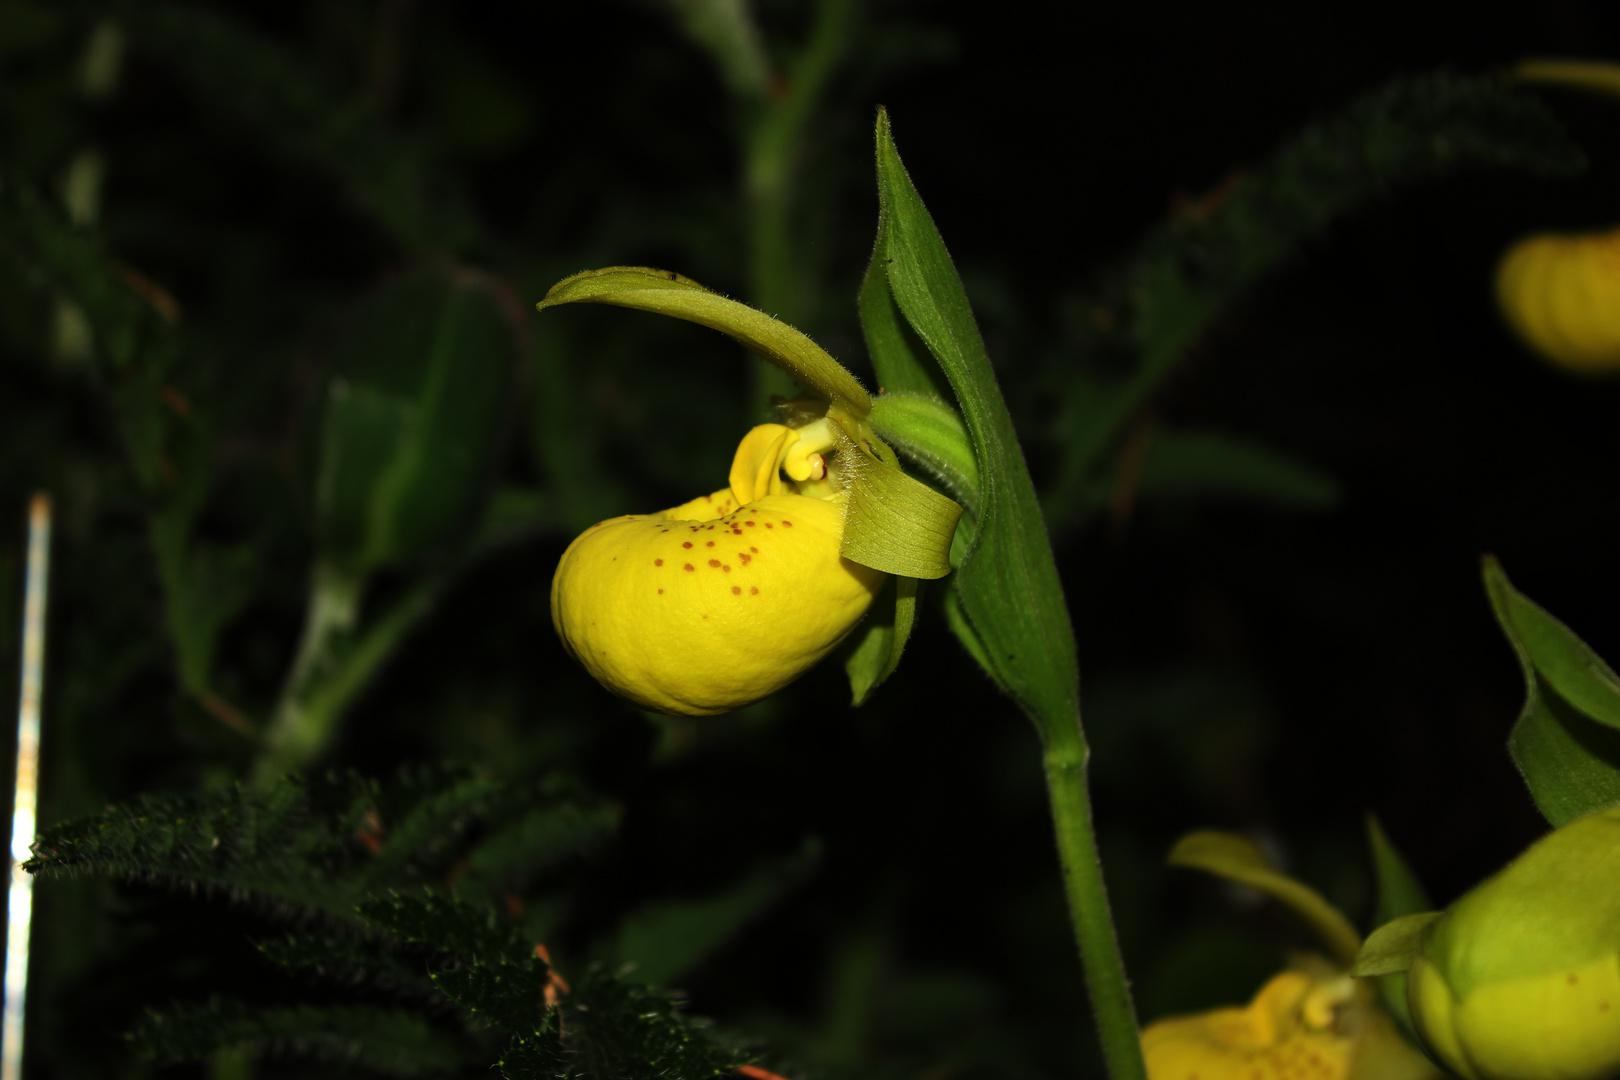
(1272, 438)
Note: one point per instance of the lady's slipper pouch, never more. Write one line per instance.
(713, 604)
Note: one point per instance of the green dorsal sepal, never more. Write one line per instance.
(669, 293)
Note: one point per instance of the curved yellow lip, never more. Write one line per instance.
(718, 602)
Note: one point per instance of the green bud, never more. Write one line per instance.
(1520, 979)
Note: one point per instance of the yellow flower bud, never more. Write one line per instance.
(715, 604)
(1520, 979)
(1311, 1022)
(1561, 295)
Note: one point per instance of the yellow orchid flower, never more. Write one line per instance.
(718, 602)
(1312, 1021)
(1561, 292)
(1561, 295)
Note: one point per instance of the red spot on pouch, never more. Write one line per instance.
(714, 562)
(753, 590)
(709, 543)
(658, 562)
(786, 524)
(745, 557)
(660, 592)
(768, 525)
(689, 566)
(686, 543)
(755, 550)
(727, 569)
(750, 524)
(736, 590)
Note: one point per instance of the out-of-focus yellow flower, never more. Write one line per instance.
(718, 602)
(1561, 295)
(1520, 979)
(1311, 1022)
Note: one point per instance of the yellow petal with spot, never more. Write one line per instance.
(716, 603)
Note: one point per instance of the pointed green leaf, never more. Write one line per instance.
(1237, 858)
(1562, 660)
(1399, 891)
(897, 524)
(1008, 584)
(901, 362)
(930, 433)
(1392, 947)
(1399, 894)
(883, 639)
(1568, 751)
(413, 417)
(668, 293)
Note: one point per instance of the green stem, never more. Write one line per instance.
(334, 665)
(1066, 756)
(297, 731)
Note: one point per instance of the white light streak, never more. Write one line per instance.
(21, 905)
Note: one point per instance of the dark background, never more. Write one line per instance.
(1244, 665)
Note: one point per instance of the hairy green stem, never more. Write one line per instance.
(1066, 756)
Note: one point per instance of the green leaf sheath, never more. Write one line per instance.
(1008, 582)
(1187, 274)
(1565, 741)
(1011, 600)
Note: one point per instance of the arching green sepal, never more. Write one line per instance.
(1239, 859)
(669, 293)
